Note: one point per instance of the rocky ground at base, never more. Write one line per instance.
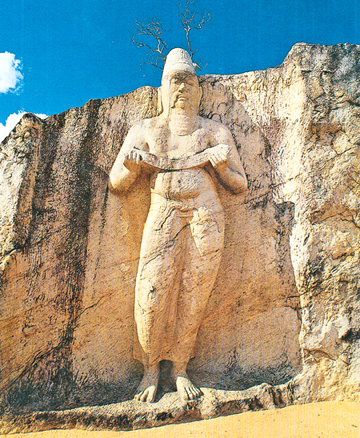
(314, 420)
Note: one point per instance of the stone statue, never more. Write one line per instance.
(183, 236)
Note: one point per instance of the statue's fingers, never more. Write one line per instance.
(217, 162)
(217, 156)
(221, 157)
(131, 155)
(138, 157)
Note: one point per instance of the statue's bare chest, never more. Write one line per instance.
(165, 143)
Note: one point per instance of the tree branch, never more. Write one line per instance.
(148, 34)
(192, 19)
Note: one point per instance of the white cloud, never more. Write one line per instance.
(10, 74)
(11, 121)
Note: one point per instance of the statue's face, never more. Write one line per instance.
(181, 91)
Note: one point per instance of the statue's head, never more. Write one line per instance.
(179, 85)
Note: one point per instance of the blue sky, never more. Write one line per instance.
(62, 53)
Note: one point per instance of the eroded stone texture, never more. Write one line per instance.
(70, 248)
(314, 137)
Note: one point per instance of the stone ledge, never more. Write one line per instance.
(131, 415)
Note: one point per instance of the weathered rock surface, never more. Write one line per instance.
(133, 414)
(286, 302)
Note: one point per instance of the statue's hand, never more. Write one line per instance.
(133, 161)
(218, 160)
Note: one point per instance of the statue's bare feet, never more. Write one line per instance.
(146, 391)
(186, 389)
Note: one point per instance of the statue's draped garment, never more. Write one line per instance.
(179, 260)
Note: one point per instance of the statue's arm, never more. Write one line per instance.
(121, 178)
(229, 170)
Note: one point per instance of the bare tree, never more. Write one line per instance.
(149, 34)
(192, 19)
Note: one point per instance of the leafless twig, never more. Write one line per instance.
(149, 34)
(192, 19)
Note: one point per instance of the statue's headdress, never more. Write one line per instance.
(178, 60)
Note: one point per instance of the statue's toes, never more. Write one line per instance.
(148, 395)
(151, 397)
(190, 395)
(143, 397)
(193, 393)
(198, 392)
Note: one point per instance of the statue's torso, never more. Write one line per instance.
(180, 184)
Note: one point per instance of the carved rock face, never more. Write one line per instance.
(285, 303)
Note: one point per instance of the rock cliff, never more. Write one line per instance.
(285, 308)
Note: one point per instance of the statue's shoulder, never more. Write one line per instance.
(143, 126)
(150, 123)
(213, 126)
(140, 124)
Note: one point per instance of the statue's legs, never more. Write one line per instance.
(157, 283)
(204, 249)
(204, 245)
(179, 260)
(156, 292)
